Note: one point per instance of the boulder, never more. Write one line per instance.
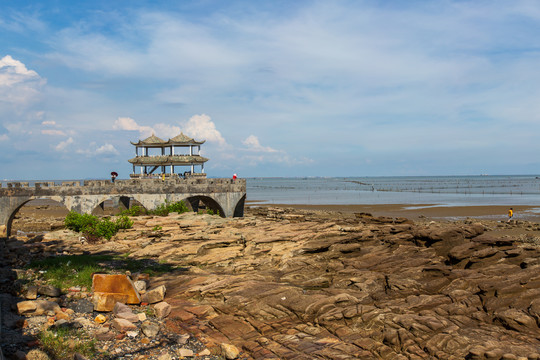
(122, 311)
(162, 309)
(183, 353)
(49, 290)
(150, 329)
(106, 301)
(229, 351)
(30, 293)
(117, 286)
(155, 295)
(37, 307)
(140, 286)
(123, 325)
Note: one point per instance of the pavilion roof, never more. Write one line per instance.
(165, 160)
(182, 139)
(151, 140)
(179, 139)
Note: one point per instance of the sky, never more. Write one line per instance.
(276, 88)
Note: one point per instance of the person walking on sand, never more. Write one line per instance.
(510, 214)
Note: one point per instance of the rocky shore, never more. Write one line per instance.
(295, 284)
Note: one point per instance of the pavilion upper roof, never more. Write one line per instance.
(151, 140)
(179, 139)
(182, 139)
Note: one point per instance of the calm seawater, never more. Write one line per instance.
(437, 190)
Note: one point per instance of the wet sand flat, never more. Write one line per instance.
(417, 211)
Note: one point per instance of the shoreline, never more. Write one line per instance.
(421, 211)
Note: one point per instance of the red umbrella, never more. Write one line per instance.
(114, 173)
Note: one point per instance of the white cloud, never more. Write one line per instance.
(53, 132)
(64, 144)
(253, 144)
(4, 137)
(14, 72)
(126, 123)
(166, 131)
(18, 85)
(106, 149)
(48, 122)
(201, 127)
(161, 130)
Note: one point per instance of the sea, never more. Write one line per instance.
(481, 190)
(477, 190)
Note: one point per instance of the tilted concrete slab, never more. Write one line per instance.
(225, 195)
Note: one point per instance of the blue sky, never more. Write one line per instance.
(277, 88)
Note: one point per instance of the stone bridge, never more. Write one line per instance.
(224, 195)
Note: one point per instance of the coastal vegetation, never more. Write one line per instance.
(162, 210)
(95, 228)
(168, 207)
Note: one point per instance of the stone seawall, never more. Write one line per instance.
(226, 196)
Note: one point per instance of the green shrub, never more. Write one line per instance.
(212, 212)
(78, 222)
(93, 228)
(134, 211)
(179, 207)
(106, 229)
(167, 207)
(123, 222)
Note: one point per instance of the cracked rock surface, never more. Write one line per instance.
(284, 284)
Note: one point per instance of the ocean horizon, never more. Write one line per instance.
(465, 190)
(476, 190)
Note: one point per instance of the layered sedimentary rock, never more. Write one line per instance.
(304, 285)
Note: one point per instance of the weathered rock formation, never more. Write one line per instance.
(305, 285)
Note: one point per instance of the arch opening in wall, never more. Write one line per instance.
(239, 208)
(37, 216)
(204, 204)
(115, 205)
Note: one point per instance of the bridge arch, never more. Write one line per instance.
(224, 195)
(239, 208)
(208, 201)
(118, 201)
(22, 201)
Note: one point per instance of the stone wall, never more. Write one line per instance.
(84, 196)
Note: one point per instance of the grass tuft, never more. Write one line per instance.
(63, 343)
(76, 270)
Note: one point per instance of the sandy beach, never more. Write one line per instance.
(415, 212)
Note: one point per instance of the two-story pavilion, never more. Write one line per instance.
(180, 151)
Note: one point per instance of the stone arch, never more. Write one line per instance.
(118, 201)
(239, 208)
(208, 201)
(21, 202)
